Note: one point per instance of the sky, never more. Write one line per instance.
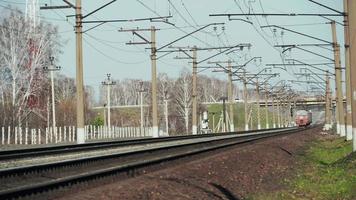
(105, 49)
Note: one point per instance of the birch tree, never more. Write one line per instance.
(24, 52)
(183, 96)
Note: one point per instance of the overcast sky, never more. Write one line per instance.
(105, 50)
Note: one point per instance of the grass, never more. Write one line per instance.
(326, 171)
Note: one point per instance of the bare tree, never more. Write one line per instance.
(24, 52)
(183, 96)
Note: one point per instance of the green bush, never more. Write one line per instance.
(98, 121)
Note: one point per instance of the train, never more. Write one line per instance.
(303, 118)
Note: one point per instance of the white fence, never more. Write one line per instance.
(26, 136)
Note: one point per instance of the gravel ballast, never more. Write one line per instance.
(232, 173)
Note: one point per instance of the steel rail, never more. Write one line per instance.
(171, 153)
(75, 161)
(43, 151)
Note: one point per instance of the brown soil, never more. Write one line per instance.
(234, 173)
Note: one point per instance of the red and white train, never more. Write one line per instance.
(303, 118)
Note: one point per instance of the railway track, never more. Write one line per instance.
(62, 149)
(40, 178)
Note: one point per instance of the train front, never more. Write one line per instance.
(302, 118)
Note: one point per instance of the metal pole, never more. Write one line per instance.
(258, 105)
(347, 75)
(279, 113)
(48, 112)
(327, 104)
(273, 113)
(104, 110)
(53, 104)
(141, 105)
(108, 83)
(109, 112)
(290, 114)
(51, 70)
(352, 32)
(155, 131)
(166, 112)
(79, 72)
(245, 101)
(338, 83)
(194, 95)
(224, 115)
(266, 107)
(287, 113)
(213, 122)
(295, 109)
(231, 99)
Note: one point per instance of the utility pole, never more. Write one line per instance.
(245, 99)
(266, 106)
(153, 57)
(352, 31)
(194, 95)
(154, 83)
(273, 113)
(231, 99)
(108, 83)
(52, 69)
(258, 105)
(230, 95)
(246, 80)
(327, 104)
(224, 114)
(79, 72)
(292, 110)
(279, 112)
(347, 74)
(338, 84)
(283, 113)
(166, 99)
(213, 121)
(104, 112)
(141, 105)
(166, 114)
(289, 113)
(195, 67)
(79, 52)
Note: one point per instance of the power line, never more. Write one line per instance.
(190, 15)
(109, 57)
(263, 37)
(178, 28)
(41, 17)
(184, 19)
(10, 2)
(106, 43)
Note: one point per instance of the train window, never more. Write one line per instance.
(302, 112)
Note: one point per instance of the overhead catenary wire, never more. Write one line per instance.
(108, 43)
(110, 57)
(178, 28)
(41, 17)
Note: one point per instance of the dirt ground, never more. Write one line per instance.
(234, 173)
